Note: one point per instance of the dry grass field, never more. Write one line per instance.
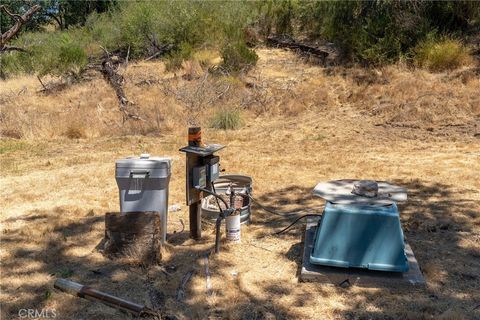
(303, 124)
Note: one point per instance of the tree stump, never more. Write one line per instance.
(133, 235)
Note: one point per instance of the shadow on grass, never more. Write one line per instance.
(438, 223)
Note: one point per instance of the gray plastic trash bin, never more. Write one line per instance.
(143, 185)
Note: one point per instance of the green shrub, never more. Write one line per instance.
(12, 63)
(174, 59)
(137, 24)
(71, 57)
(142, 26)
(55, 53)
(441, 54)
(372, 32)
(226, 119)
(377, 32)
(63, 55)
(103, 32)
(283, 13)
(278, 15)
(146, 24)
(238, 57)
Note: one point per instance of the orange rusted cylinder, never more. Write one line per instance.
(195, 137)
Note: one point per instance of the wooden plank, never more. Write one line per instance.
(355, 276)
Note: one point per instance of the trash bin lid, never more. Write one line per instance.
(144, 162)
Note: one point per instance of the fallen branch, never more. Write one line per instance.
(22, 91)
(285, 42)
(41, 82)
(14, 48)
(116, 81)
(147, 82)
(161, 50)
(153, 56)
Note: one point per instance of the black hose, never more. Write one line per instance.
(294, 222)
(271, 210)
(213, 194)
(218, 222)
(215, 191)
(281, 214)
(263, 207)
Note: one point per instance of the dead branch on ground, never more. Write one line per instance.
(109, 70)
(161, 50)
(287, 42)
(14, 48)
(41, 82)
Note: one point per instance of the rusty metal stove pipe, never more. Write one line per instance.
(96, 295)
(195, 137)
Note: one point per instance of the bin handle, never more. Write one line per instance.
(139, 174)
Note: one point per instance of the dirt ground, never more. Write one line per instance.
(55, 192)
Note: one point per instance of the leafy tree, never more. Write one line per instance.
(64, 13)
(20, 7)
(68, 13)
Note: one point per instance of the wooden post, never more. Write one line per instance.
(195, 217)
(193, 198)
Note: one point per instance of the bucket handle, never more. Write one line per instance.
(139, 174)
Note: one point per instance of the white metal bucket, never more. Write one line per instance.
(233, 227)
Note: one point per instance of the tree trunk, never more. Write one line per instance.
(57, 19)
(134, 235)
(19, 22)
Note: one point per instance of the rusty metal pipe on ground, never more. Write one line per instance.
(105, 298)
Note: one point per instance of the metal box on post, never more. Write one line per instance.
(201, 170)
